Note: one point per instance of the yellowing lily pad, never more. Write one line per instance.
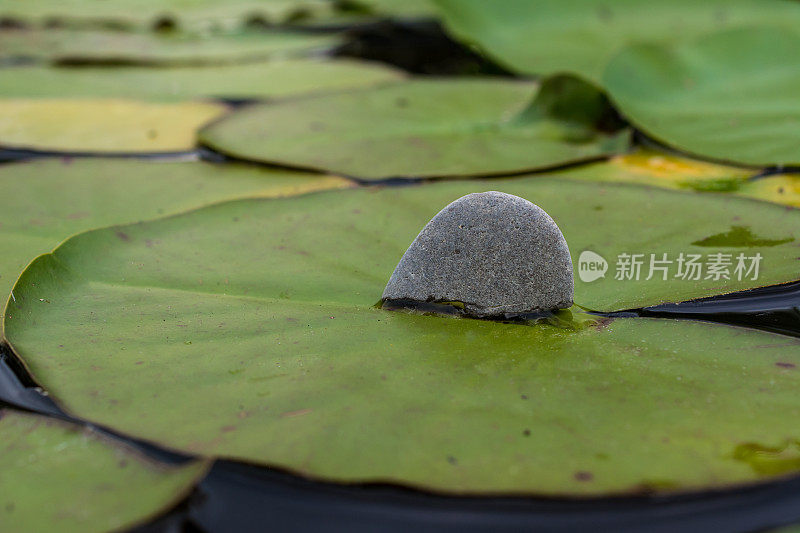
(664, 170)
(47, 201)
(417, 129)
(92, 46)
(256, 323)
(581, 36)
(77, 125)
(61, 477)
(781, 189)
(731, 96)
(272, 79)
(675, 172)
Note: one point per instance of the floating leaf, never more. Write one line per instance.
(581, 36)
(47, 201)
(731, 96)
(663, 170)
(417, 129)
(99, 126)
(397, 8)
(61, 477)
(674, 172)
(781, 189)
(193, 15)
(273, 79)
(255, 323)
(91, 46)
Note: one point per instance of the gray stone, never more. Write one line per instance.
(496, 253)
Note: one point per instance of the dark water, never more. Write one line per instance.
(241, 497)
(416, 46)
(775, 309)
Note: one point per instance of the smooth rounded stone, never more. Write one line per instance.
(496, 253)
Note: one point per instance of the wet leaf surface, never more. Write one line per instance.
(273, 79)
(103, 125)
(739, 237)
(581, 36)
(59, 477)
(417, 129)
(55, 199)
(265, 345)
(92, 46)
(731, 96)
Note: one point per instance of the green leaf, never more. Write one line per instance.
(103, 126)
(273, 79)
(396, 8)
(92, 46)
(665, 170)
(61, 477)
(674, 172)
(418, 129)
(254, 321)
(572, 101)
(48, 201)
(731, 96)
(194, 15)
(580, 36)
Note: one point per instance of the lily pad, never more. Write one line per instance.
(396, 8)
(61, 477)
(195, 15)
(254, 321)
(97, 126)
(664, 170)
(581, 36)
(420, 129)
(731, 96)
(781, 189)
(47, 201)
(273, 79)
(674, 172)
(92, 46)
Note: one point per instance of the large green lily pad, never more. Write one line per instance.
(195, 15)
(580, 36)
(92, 46)
(103, 126)
(731, 96)
(254, 327)
(61, 477)
(273, 79)
(417, 129)
(47, 201)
